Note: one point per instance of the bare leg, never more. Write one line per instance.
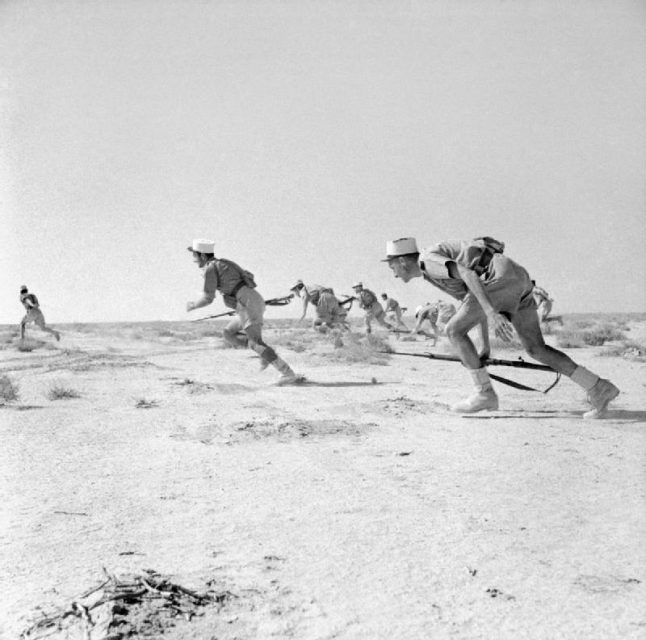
(529, 331)
(268, 355)
(232, 334)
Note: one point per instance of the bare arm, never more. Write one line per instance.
(210, 287)
(502, 327)
(305, 303)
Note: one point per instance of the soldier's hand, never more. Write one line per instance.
(190, 306)
(501, 326)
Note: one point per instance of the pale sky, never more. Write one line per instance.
(302, 135)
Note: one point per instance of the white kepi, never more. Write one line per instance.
(400, 247)
(202, 246)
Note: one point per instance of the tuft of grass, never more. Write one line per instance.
(60, 392)
(9, 390)
(142, 403)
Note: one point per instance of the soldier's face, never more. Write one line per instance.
(199, 259)
(399, 269)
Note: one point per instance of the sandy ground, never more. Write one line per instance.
(351, 508)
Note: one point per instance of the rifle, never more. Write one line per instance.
(349, 300)
(488, 362)
(272, 302)
(279, 302)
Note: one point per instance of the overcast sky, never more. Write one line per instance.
(302, 135)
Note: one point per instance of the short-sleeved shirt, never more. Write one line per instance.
(26, 298)
(314, 291)
(434, 264)
(391, 304)
(366, 298)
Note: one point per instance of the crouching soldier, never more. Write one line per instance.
(329, 313)
(238, 289)
(493, 290)
(393, 311)
(374, 311)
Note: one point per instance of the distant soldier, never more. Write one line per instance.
(238, 289)
(329, 313)
(393, 311)
(494, 291)
(427, 313)
(34, 314)
(374, 311)
(543, 302)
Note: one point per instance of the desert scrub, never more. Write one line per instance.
(29, 344)
(9, 390)
(628, 349)
(574, 336)
(61, 392)
(143, 403)
(363, 349)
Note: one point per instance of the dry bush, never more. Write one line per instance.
(9, 390)
(142, 403)
(367, 349)
(29, 344)
(628, 349)
(581, 333)
(60, 392)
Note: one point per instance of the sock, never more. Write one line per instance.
(584, 378)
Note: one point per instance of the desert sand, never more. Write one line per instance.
(353, 507)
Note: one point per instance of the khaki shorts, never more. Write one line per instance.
(250, 307)
(34, 315)
(508, 286)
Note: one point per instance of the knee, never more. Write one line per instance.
(535, 350)
(453, 331)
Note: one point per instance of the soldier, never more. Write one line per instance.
(495, 290)
(238, 289)
(329, 313)
(374, 311)
(427, 312)
(34, 314)
(393, 311)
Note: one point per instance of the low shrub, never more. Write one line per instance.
(142, 403)
(60, 392)
(9, 390)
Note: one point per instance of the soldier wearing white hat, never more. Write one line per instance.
(329, 313)
(34, 314)
(493, 290)
(238, 289)
(374, 311)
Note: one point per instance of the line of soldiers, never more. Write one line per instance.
(493, 291)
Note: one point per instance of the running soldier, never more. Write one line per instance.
(393, 311)
(34, 314)
(238, 289)
(374, 311)
(329, 313)
(493, 290)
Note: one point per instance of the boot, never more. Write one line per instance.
(598, 390)
(484, 399)
(599, 396)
